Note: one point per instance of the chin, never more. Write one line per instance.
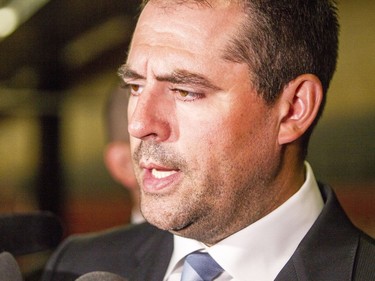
(173, 223)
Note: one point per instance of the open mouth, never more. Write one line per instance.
(158, 178)
(161, 174)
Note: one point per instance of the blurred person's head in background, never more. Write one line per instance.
(117, 156)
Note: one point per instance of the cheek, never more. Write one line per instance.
(239, 141)
(198, 135)
(134, 143)
(209, 144)
(228, 133)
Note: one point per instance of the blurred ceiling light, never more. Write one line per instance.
(16, 13)
(8, 21)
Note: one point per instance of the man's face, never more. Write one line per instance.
(204, 144)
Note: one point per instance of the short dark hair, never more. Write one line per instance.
(282, 39)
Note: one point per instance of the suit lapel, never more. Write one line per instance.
(328, 250)
(153, 257)
(326, 253)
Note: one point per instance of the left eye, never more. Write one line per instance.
(183, 93)
(186, 95)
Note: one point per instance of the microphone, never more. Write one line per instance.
(100, 276)
(9, 270)
(22, 234)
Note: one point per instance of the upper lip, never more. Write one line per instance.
(152, 165)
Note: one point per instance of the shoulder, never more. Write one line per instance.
(114, 250)
(335, 246)
(127, 236)
(113, 236)
(365, 258)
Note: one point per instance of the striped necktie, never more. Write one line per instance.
(200, 267)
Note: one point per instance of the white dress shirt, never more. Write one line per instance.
(136, 216)
(259, 251)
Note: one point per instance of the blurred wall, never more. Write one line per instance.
(342, 148)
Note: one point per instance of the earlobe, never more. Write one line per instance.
(299, 106)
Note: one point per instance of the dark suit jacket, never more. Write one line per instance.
(333, 250)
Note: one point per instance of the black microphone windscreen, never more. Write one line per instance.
(9, 270)
(29, 233)
(100, 275)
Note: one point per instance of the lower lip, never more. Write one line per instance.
(155, 185)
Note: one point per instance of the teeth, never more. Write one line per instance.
(161, 174)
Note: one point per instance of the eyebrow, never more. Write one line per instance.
(178, 76)
(125, 72)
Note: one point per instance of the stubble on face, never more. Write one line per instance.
(227, 159)
(168, 211)
(213, 201)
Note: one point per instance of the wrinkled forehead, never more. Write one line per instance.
(193, 28)
(170, 4)
(220, 14)
(207, 3)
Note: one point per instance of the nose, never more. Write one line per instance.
(149, 115)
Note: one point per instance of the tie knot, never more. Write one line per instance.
(200, 267)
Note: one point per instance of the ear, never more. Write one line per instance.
(117, 157)
(299, 105)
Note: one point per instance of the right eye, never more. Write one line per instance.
(135, 89)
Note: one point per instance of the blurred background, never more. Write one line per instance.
(58, 63)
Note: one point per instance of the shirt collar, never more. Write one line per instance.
(260, 251)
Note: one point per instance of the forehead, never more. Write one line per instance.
(188, 26)
(207, 3)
